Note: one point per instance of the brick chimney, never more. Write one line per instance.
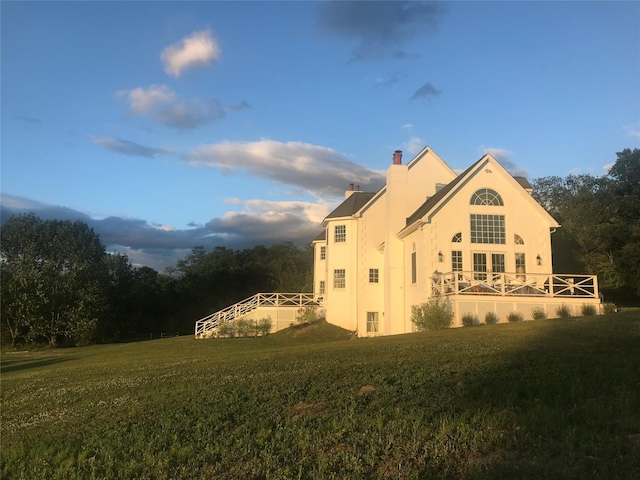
(397, 157)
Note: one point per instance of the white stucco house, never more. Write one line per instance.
(479, 238)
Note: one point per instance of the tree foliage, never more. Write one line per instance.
(600, 218)
(52, 277)
(58, 281)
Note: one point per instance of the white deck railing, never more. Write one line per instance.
(246, 306)
(514, 284)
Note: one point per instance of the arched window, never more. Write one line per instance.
(457, 238)
(517, 239)
(486, 196)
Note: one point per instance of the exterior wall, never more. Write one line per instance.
(374, 242)
(341, 302)
(371, 235)
(319, 268)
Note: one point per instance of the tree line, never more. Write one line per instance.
(600, 218)
(59, 284)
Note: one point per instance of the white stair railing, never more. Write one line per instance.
(206, 325)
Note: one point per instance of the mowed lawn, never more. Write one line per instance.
(540, 399)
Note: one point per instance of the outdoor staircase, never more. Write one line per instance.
(205, 327)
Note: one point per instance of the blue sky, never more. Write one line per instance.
(166, 125)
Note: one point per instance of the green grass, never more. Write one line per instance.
(554, 399)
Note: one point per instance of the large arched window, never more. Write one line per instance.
(487, 196)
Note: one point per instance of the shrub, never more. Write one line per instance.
(515, 317)
(609, 308)
(470, 320)
(538, 313)
(245, 327)
(588, 310)
(435, 314)
(562, 311)
(490, 318)
(307, 315)
(225, 330)
(264, 326)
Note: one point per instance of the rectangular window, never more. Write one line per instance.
(414, 268)
(497, 262)
(340, 234)
(322, 288)
(323, 253)
(372, 322)
(456, 261)
(520, 266)
(373, 275)
(487, 229)
(339, 278)
(480, 266)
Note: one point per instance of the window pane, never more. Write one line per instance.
(456, 261)
(372, 322)
(323, 253)
(414, 266)
(339, 278)
(322, 287)
(340, 233)
(521, 268)
(373, 275)
(480, 266)
(487, 229)
(487, 196)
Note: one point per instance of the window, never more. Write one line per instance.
(521, 268)
(339, 277)
(340, 234)
(480, 266)
(414, 266)
(322, 287)
(372, 322)
(373, 275)
(457, 238)
(497, 262)
(517, 239)
(456, 261)
(487, 229)
(486, 196)
(323, 253)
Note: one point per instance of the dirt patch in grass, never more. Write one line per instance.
(309, 410)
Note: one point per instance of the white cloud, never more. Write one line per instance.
(319, 170)
(414, 145)
(633, 130)
(503, 156)
(165, 107)
(197, 50)
(608, 167)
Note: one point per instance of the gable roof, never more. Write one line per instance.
(441, 195)
(351, 204)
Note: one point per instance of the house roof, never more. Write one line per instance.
(351, 204)
(321, 236)
(524, 183)
(440, 194)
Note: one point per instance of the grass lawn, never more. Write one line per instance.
(541, 399)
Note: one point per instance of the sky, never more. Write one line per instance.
(166, 125)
